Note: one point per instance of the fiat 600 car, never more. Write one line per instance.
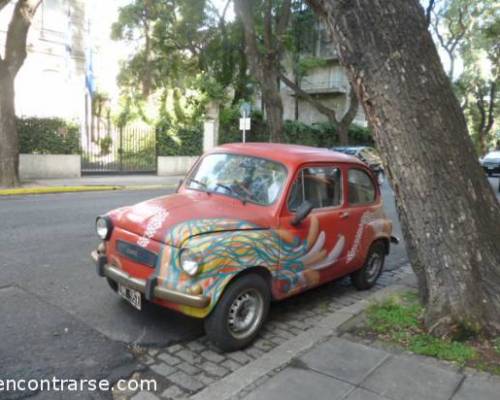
(249, 224)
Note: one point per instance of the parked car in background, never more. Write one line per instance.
(250, 223)
(367, 154)
(491, 162)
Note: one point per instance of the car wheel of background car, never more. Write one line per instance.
(367, 276)
(239, 314)
(112, 284)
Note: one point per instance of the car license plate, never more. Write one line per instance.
(131, 295)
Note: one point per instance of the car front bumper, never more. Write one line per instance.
(147, 287)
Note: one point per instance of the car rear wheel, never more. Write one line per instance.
(367, 276)
(239, 314)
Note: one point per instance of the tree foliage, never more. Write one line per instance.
(468, 31)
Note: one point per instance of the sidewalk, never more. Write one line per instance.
(94, 183)
(128, 181)
(342, 370)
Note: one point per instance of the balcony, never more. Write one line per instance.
(331, 87)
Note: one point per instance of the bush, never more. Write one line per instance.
(48, 136)
(176, 140)
(317, 135)
(179, 141)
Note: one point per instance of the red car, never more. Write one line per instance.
(249, 224)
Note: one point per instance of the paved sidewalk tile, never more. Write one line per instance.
(479, 388)
(299, 384)
(362, 394)
(408, 378)
(344, 360)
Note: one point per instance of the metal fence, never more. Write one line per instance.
(120, 150)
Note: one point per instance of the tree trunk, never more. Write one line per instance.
(273, 106)
(449, 214)
(9, 142)
(346, 121)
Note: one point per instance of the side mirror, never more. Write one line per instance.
(302, 212)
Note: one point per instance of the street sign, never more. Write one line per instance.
(245, 110)
(244, 124)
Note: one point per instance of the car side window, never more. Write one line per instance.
(361, 188)
(321, 186)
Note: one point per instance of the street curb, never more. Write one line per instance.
(76, 189)
(280, 356)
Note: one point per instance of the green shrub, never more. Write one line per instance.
(175, 139)
(179, 141)
(317, 135)
(48, 136)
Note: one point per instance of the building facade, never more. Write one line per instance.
(326, 82)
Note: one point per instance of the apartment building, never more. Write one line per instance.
(327, 81)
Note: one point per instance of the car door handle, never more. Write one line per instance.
(344, 215)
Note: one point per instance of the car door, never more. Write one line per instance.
(313, 252)
(363, 207)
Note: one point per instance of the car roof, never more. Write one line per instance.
(289, 154)
(493, 154)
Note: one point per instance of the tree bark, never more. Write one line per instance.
(9, 142)
(346, 121)
(15, 54)
(449, 214)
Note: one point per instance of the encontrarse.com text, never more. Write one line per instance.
(75, 385)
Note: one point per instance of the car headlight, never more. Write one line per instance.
(103, 227)
(188, 264)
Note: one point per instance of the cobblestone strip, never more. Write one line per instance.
(182, 370)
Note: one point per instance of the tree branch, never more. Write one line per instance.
(284, 18)
(428, 12)
(15, 45)
(329, 112)
(352, 110)
(3, 3)
(491, 107)
(244, 10)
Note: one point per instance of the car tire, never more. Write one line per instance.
(238, 316)
(367, 276)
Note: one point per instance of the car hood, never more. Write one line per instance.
(174, 218)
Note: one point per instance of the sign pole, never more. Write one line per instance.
(244, 126)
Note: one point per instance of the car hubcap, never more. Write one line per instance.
(374, 266)
(245, 314)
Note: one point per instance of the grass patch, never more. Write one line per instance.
(55, 189)
(399, 320)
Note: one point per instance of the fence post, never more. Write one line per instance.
(120, 150)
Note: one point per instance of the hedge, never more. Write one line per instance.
(295, 132)
(48, 136)
(183, 141)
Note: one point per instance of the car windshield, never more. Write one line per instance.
(248, 178)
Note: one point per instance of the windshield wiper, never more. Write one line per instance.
(199, 183)
(231, 190)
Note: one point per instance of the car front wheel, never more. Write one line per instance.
(239, 314)
(367, 276)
